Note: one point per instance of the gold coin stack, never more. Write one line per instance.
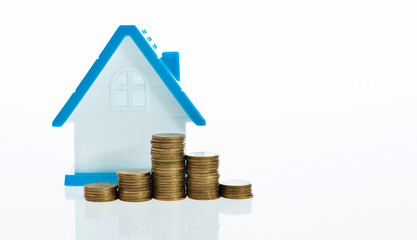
(134, 185)
(168, 166)
(203, 175)
(236, 189)
(100, 192)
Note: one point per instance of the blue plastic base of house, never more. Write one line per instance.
(80, 179)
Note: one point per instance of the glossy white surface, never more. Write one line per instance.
(349, 204)
(187, 219)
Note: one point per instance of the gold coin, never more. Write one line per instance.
(202, 183)
(238, 197)
(175, 163)
(100, 185)
(145, 194)
(179, 158)
(169, 177)
(168, 142)
(203, 198)
(235, 183)
(167, 150)
(133, 172)
(164, 194)
(100, 200)
(235, 189)
(194, 173)
(203, 177)
(167, 156)
(202, 169)
(135, 183)
(140, 183)
(167, 153)
(203, 190)
(136, 188)
(170, 198)
(202, 154)
(158, 185)
(168, 145)
(160, 170)
(202, 159)
(203, 187)
(135, 199)
(168, 185)
(100, 193)
(168, 135)
(202, 165)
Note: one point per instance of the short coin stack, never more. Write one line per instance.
(236, 189)
(168, 166)
(134, 185)
(100, 192)
(203, 175)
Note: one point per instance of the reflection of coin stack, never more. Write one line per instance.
(134, 185)
(100, 192)
(133, 221)
(236, 189)
(202, 220)
(203, 175)
(168, 166)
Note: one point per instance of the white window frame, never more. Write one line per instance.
(129, 88)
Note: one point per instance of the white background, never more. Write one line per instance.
(312, 101)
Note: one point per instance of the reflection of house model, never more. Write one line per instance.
(127, 95)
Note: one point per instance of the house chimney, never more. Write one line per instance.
(172, 62)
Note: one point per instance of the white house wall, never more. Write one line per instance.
(107, 140)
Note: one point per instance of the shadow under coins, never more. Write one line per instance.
(186, 219)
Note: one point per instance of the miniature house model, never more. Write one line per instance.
(127, 95)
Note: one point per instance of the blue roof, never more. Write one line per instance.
(157, 64)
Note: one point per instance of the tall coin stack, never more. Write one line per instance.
(236, 189)
(168, 166)
(134, 185)
(100, 192)
(203, 175)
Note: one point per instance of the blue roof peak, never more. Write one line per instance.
(166, 70)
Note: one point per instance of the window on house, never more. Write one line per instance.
(128, 91)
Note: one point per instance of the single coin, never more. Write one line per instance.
(170, 198)
(162, 160)
(238, 197)
(163, 136)
(167, 145)
(133, 172)
(202, 159)
(202, 163)
(235, 183)
(139, 187)
(135, 199)
(157, 157)
(168, 135)
(134, 182)
(202, 154)
(100, 185)
(100, 200)
(196, 173)
(169, 150)
(100, 192)
(202, 169)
